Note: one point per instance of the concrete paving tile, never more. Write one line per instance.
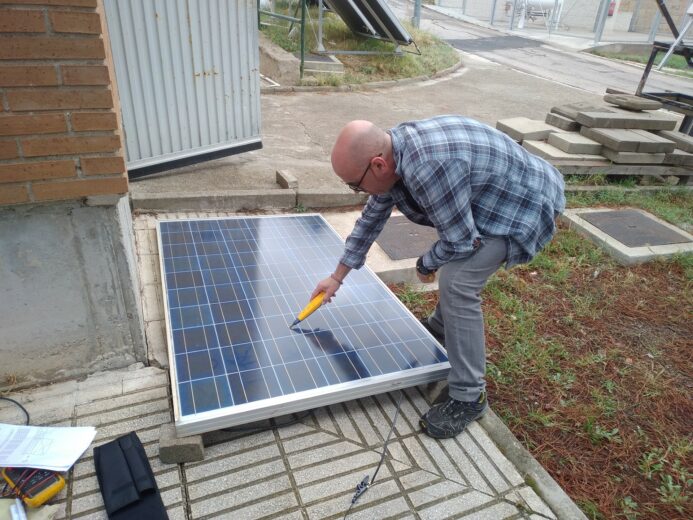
(419, 404)
(295, 430)
(389, 404)
(446, 464)
(418, 478)
(152, 303)
(236, 504)
(369, 505)
(481, 437)
(535, 503)
(359, 462)
(381, 423)
(435, 492)
(495, 512)
(158, 395)
(146, 243)
(419, 455)
(150, 269)
(310, 441)
(126, 413)
(344, 424)
(454, 506)
(342, 485)
(326, 423)
(222, 483)
(157, 346)
(254, 441)
(363, 425)
(321, 454)
(147, 425)
(223, 465)
(468, 470)
(396, 452)
(484, 464)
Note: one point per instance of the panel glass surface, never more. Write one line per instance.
(233, 286)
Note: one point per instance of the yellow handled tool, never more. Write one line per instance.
(309, 309)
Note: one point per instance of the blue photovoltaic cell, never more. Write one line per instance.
(233, 286)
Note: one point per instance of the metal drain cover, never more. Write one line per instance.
(633, 228)
(401, 238)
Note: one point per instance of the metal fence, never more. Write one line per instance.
(603, 21)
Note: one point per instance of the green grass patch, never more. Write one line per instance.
(675, 64)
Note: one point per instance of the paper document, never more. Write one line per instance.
(43, 447)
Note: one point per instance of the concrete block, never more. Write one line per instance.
(633, 157)
(635, 120)
(575, 143)
(616, 139)
(571, 110)
(564, 123)
(523, 128)
(278, 64)
(683, 142)
(679, 158)
(321, 198)
(286, 180)
(174, 450)
(631, 102)
(653, 143)
(551, 153)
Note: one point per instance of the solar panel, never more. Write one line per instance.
(233, 286)
(372, 18)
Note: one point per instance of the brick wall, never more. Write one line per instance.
(60, 133)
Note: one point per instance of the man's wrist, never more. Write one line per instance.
(336, 279)
(422, 269)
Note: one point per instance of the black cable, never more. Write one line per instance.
(18, 404)
(366, 482)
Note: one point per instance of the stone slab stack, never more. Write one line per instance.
(625, 130)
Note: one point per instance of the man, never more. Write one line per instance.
(491, 202)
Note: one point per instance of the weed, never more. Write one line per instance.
(673, 492)
(652, 463)
(629, 508)
(300, 208)
(597, 434)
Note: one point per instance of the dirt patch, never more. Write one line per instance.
(589, 364)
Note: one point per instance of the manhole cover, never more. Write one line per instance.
(401, 238)
(633, 228)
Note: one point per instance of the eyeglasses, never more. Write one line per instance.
(356, 188)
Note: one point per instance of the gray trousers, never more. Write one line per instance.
(458, 316)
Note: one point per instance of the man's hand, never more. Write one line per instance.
(329, 286)
(426, 278)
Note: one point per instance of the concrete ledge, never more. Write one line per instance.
(621, 252)
(317, 198)
(232, 200)
(533, 473)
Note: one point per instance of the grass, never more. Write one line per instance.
(435, 54)
(589, 365)
(675, 64)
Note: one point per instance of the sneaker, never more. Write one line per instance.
(440, 337)
(449, 419)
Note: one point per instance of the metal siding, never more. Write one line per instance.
(188, 75)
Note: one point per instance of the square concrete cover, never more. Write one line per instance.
(633, 228)
(402, 238)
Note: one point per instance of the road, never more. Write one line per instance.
(577, 69)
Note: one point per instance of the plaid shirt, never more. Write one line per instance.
(468, 181)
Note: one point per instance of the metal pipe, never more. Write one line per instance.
(493, 11)
(601, 21)
(416, 20)
(303, 35)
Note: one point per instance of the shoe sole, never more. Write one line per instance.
(444, 435)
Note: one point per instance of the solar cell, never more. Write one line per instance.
(233, 286)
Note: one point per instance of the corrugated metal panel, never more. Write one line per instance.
(187, 74)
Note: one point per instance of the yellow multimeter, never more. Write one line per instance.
(34, 486)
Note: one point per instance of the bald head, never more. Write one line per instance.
(357, 143)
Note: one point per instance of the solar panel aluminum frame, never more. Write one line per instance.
(299, 401)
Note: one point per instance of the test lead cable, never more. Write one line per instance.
(367, 482)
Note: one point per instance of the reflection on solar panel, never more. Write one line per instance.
(233, 286)
(371, 18)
